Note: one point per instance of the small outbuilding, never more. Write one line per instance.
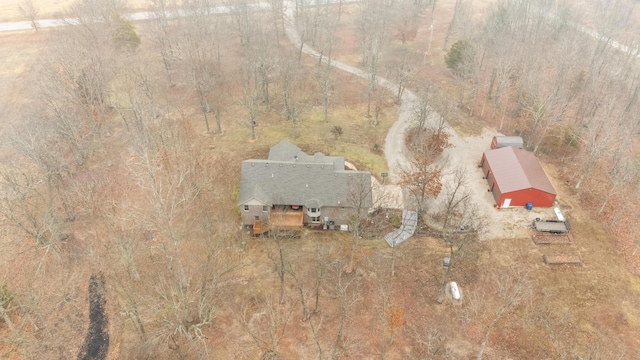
(516, 178)
(504, 141)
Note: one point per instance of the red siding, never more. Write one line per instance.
(518, 198)
(494, 143)
(522, 197)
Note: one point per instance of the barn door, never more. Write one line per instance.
(507, 203)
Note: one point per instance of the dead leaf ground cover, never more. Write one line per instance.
(572, 310)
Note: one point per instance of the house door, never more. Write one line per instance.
(506, 203)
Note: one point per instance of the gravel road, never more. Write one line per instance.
(464, 152)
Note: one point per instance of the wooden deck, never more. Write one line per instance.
(260, 227)
(284, 220)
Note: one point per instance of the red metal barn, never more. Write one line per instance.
(516, 178)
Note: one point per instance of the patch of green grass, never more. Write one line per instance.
(373, 244)
(314, 134)
(362, 157)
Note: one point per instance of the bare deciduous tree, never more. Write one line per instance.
(31, 12)
(199, 45)
(372, 29)
(249, 102)
(360, 199)
(459, 222)
(266, 321)
(277, 254)
(163, 36)
(511, 288)
(346, 290)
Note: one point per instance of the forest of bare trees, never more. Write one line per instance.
(535, 72)
(122, 173)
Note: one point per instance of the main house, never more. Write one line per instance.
(291, 189)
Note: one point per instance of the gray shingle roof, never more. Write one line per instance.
(287, 152)
(307, 180)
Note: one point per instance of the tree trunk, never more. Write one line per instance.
(393, 259)
(6, 319)
(217, 116)
(281, 273)
(326, 106)
(492, 80)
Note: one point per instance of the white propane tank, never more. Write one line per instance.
(455, 292)
(558, 214)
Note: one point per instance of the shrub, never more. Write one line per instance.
(6, 297)
(336, 131)
(396, 221)
(459, 57)
(124, 35)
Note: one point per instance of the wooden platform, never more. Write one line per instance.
(280, 220)
(260, 227)
(563, 259)
(546, 239)
(286, 220)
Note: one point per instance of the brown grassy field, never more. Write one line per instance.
(590, 310)
(10, 10)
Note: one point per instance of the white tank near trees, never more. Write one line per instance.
(455, 291)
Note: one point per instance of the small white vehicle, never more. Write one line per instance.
(455, 292)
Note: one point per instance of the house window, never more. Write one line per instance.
(257, 218)
(313, 210)
(315, 219)
(246, 208)
(265, 208)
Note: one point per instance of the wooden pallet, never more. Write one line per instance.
(547, 239)
(562, 259)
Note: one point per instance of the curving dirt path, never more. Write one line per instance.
(394, 147)
(464, 152)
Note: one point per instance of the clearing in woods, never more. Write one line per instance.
(587, 308)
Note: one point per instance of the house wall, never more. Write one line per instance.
(339, 215)
(524, 196)
(248, 217)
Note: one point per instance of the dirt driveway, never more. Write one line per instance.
(467, 152)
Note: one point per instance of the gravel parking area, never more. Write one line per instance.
(504, 223)
(466, 152)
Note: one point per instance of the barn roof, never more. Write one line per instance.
(291, 177)
(516, 169)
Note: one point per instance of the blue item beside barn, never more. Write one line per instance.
(529, 206)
